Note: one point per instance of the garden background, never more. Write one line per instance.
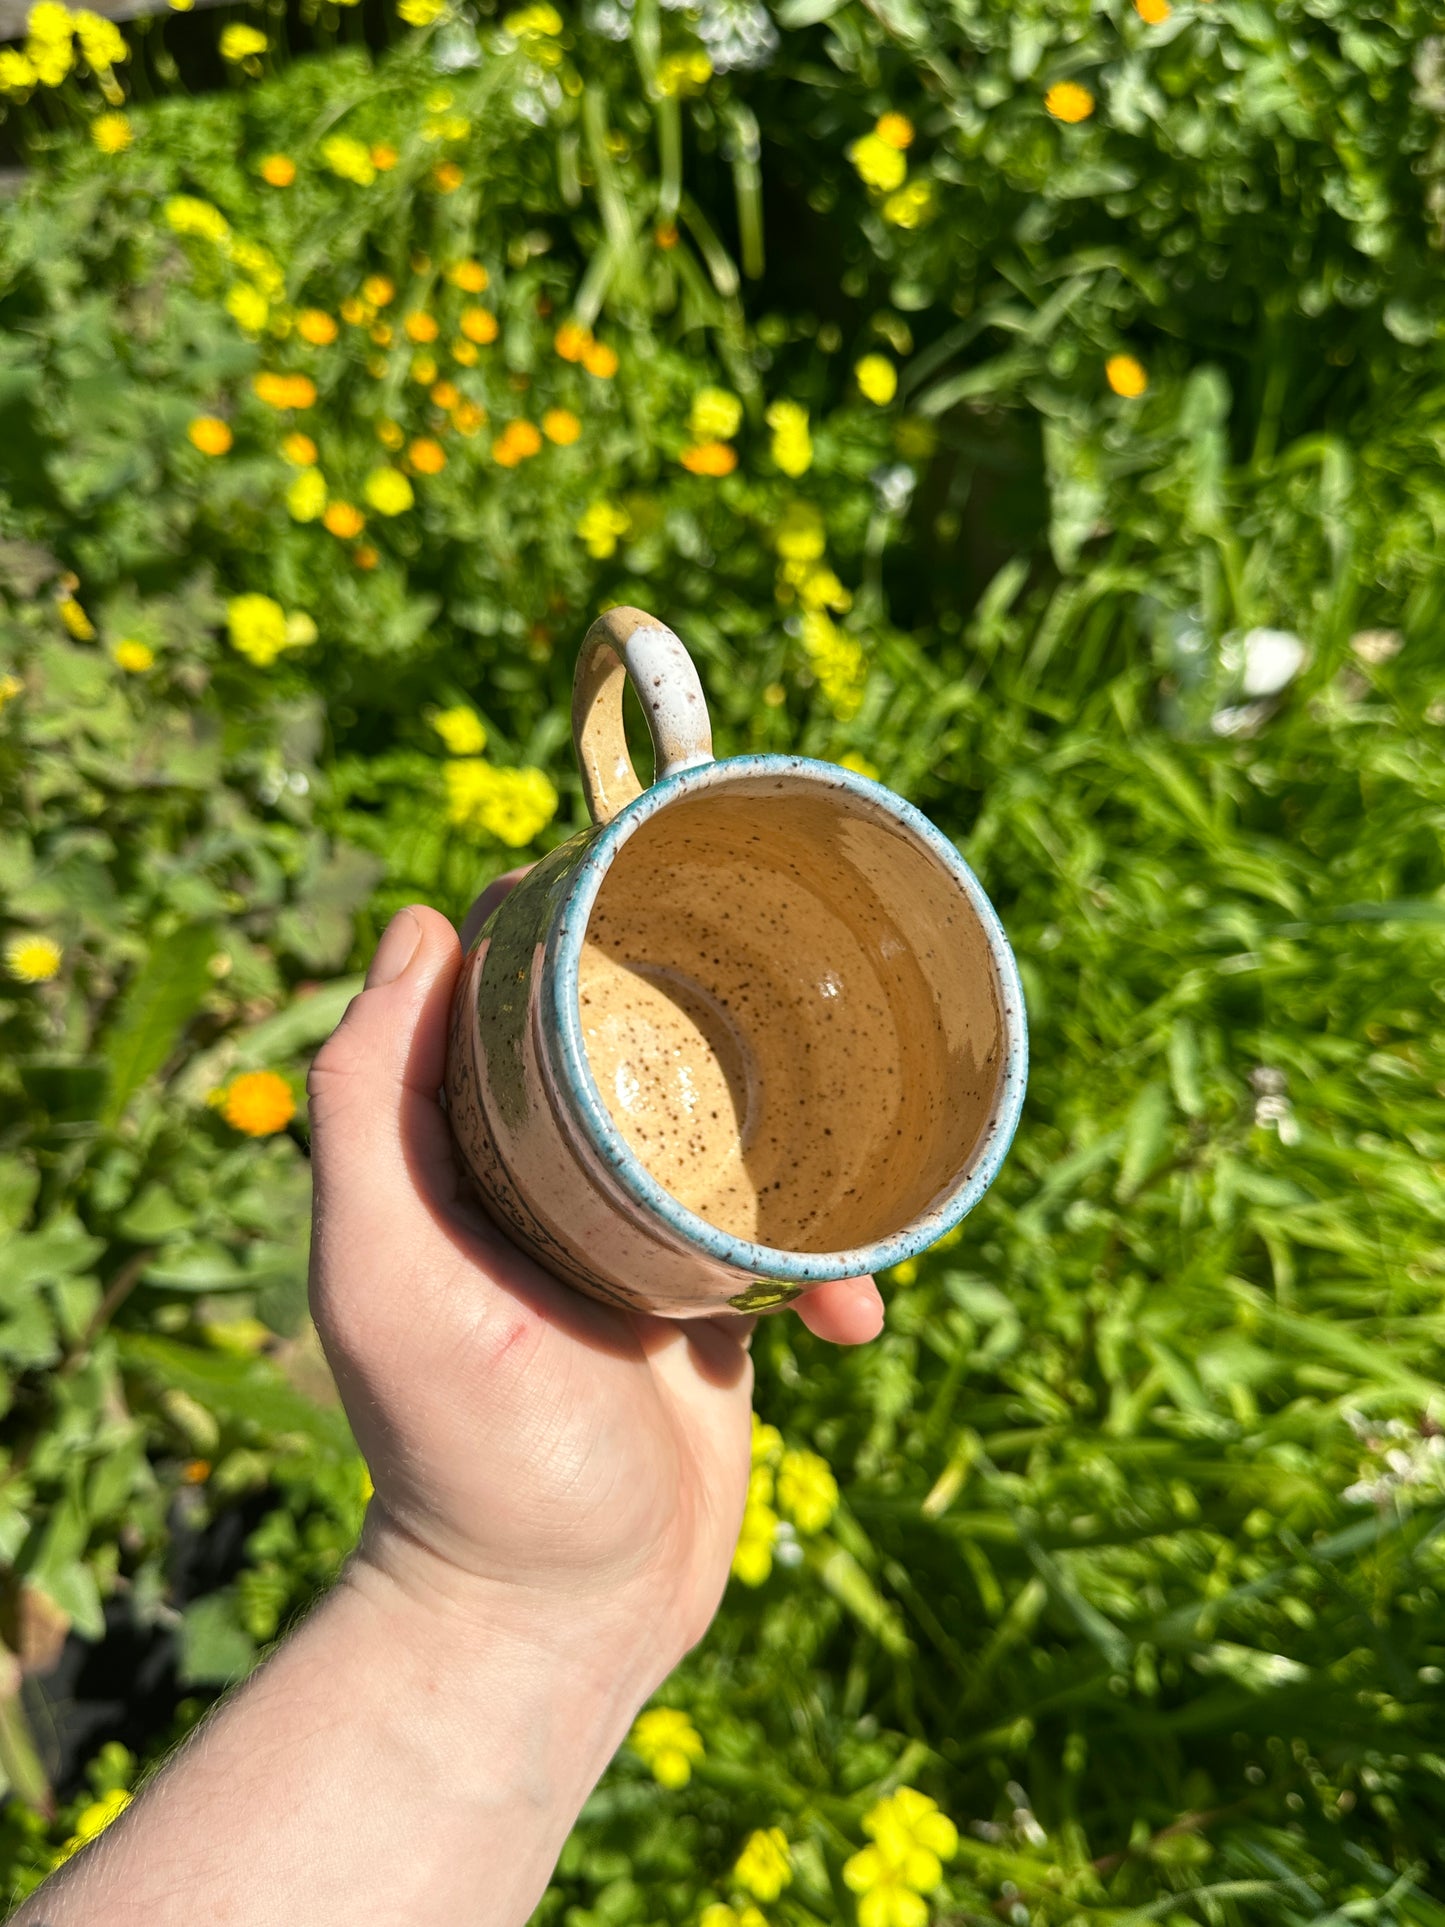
(1039, 405)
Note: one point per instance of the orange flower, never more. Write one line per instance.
(342, 519)
(666, 236)
(561, 426)
(468, 418)
(299, 450)
(470, 276)
(709, 458)
(197, 1471)
(378, 290)
(447, 177)
(259, 1103)
(365, 557)
(1126, 376)
(211, 435)
(316, 326)
(1153, 12)
(285, 391)
(278, 170)
(390, 434)
(479, 324)
(421, 326)
(1067, 101)
(426, 456)
(516, 442)
(383, 157)
(465, 352)
(446, 394)
(600, 360)
(572, 341)
(894, 130)
(381, 334)
(355, 312)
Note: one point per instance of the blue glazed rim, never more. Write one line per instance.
(563, 957)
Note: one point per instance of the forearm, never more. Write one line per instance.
(393, 1761)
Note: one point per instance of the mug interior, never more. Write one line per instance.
(792, 1013)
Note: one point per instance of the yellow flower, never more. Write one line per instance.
(792, 444)
(378, 290)
(1153, 12)
(93, 1820)
(299, 450)
(249, 257)
(33, 960)
(859, 764)
(211, 435)
(478, 324)
(421, 326)
(349, 160)
(184, 214)
(894, 130)
(1067, 101)
(306, 497)
(446, 394)
(284, 391)
(879, 163)
(317, 327)
(388, 491)
(721, 1915)
(465, 352)
(715, 415)
(343, 519)
(132, 656)
(911, 206)
(470, 276)
(240, 42)
(906, 1824)
(752, 1559)
(709, 458)
(423, 369)
(667, 1743)
(837, 662)
(426, 456)
(112, 133)
(807, 1490)
(101, 41)
(531, 21)
(799, 536)
(247, 307)
(278, 170)
(600, 360)
(260, 629)
(517, 441)
(561, 426)
(10, 688)
(512, 805)
(468, 418)
(681, 74)
(767, 1443)
(421, 13)
(601, 527)
(390, 434)
(382, 334)
(384, 156)
(447, 177)
(572, 341)
(49, 48)
(877, 378)
(357, 313)
(461, 729)
(885, 1898)
(765, 1866)
(75, 619)
(1126, 376)
(17, 72)
(259, 1103)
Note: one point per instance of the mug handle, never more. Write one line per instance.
(629, 642)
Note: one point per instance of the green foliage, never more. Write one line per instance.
(1136, 1569)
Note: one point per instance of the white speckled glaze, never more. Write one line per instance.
(757, 1027)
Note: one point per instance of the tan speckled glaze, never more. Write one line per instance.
(789, 1017)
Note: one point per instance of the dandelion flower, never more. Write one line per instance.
(807, 1490)
(421, 13)
(33, 960)
(378, 290)
(17, 73)
(877, 378)
(388, 491)
(364, 556)
(132, 656)
(1153, 12)
(792, 444)
(601, 527)
(461, 730)
(470, 276)
(447, 177)
(184, 214)
(879, 163)
(894, 130)
(479, 325)
(210, 435)
(1126, 376)
(278, 170)
(911, 206)
(384, 157)
(247, 307)
(343, 519)
(426, 456)
(306, 497)
(600, 360)
(709, 458)
(445, 394)
(349, 160)
(516, 443)
(260, 629)
(317, 327)
(468, 418)
(423, 369)
(1067, 101)
(240, 42)
(667, 1743)
(572, 341)
(715, 416)
(259, 1103)
(299, 450)
(112, 133)
(561, 426)
(752, 1559)
(284, 391)
(421, 326)
(765, 1865)
(800, 536)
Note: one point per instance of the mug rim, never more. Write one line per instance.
(564, 952)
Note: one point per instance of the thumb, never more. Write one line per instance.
(378, 1134)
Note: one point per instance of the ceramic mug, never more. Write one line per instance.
(757, 1027)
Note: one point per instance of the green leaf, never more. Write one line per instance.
(158, 1004)
(216, 1649)
(241, 1390)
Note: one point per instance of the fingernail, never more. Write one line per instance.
(395, 951)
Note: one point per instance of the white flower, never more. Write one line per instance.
(1272, 658)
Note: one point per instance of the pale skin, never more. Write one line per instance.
(559, 1488)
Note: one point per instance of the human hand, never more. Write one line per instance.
(575, 1470)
